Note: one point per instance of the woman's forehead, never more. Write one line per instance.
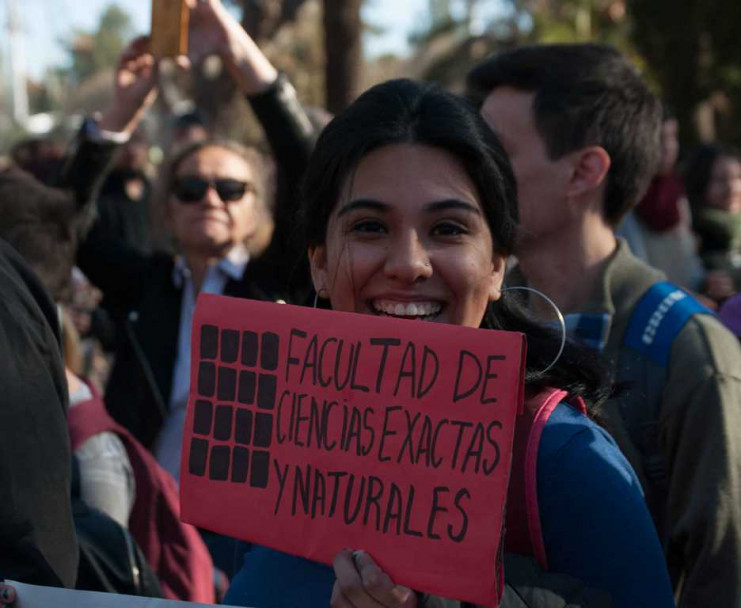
(406, 172)
(216, 160)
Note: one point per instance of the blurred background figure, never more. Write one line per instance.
(40, 156)
(730, 314)
(37, 533)
(713, 181)
(659, 230)
(124, 205)
(188, 128)
(217, 211)
(95, 332)
(183, 129)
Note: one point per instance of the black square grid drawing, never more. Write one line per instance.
(234, 413)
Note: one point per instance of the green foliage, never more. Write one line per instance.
(690, 50)
(92, 52)
(439, 11)
(556, 21)
(694, 50)
(113, 32)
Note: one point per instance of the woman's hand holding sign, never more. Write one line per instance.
(362, 584)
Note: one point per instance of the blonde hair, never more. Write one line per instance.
(259, 240)
(71, 345)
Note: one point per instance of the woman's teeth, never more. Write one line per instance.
(407, 310)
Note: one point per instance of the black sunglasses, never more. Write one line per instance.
(192, 189)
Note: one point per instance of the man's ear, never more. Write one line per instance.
(318, 264)
(589, 170)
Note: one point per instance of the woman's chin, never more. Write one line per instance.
(208, 245)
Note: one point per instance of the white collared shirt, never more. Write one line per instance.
(232, 266)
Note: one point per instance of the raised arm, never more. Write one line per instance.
(287, 127)
(133, 94)
(92, 153)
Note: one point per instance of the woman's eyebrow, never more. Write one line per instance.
(364, 203)
(436, 206)
(452, 203)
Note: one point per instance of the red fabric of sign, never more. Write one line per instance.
(309, 431)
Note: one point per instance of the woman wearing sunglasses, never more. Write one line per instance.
(215, 203)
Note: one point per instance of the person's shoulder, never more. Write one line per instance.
(574, 449)
(22, 291)
(704, 372)
(626, 280)
(629, 273)
(568, 429)
(263, 280)
(705, 347)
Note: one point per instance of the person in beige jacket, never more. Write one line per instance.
(582, 130)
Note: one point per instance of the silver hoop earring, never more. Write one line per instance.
(559, 316)
(316, 297)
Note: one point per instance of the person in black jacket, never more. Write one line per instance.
(37, 535)
(213, 204)
(124, 205)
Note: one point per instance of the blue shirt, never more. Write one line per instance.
(170, 440)
(596, 528)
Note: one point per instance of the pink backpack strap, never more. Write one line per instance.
(543, 404)
(578, 404)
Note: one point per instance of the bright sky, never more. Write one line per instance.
(47, 22)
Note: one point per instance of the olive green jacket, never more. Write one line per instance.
(699, 434)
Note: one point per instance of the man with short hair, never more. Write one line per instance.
(582, 131)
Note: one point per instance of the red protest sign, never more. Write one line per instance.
(309, 431)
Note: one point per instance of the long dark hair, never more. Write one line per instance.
(699, 171)
(404, 111)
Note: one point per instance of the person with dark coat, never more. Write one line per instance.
(124, 204)
(45, 224)
(37, 535)
(215, 197)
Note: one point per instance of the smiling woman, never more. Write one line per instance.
(411, 241)
(216, 201)
(410, 211)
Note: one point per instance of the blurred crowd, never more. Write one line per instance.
(559, 161)
(686, 223)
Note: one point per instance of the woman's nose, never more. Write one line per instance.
(211, 197)
(408, 259)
